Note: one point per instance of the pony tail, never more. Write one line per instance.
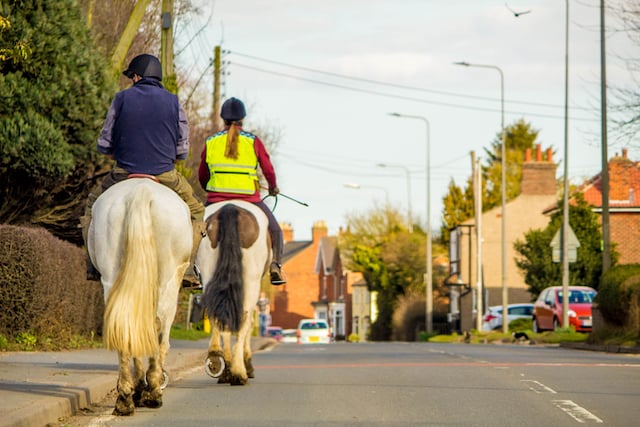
(224, 295)
(231, 149)
(130, 311)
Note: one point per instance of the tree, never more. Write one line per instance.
(519, 137)
(53, 104)
(535, 259)
(626, 101)
(458, 205)
(390, 258)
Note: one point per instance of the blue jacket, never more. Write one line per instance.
(146, 129)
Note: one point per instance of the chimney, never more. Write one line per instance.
(319, 230)
(539, 176)
(287, 232)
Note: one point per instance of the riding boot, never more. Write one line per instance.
(275, 269)
(92, 272)
(191, 276)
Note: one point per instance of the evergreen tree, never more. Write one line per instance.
(54, 101)
(458, 205)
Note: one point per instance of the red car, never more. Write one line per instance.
(547, 310)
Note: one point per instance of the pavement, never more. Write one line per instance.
(43, 388)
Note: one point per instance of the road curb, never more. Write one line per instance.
(606, 348)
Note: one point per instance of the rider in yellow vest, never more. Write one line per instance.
(229, 170)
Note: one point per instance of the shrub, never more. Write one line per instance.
(521, 325)
(354, 338)
(616, 291)
(43, 290)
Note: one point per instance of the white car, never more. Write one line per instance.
(492, 320)
(289, 336)
(313, 331)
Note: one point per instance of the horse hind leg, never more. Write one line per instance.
(152, 394)
(124, 402)
(139, 381)
(247, 357)
(238, 368)
(215, 364)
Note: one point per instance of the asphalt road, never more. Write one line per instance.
(404, 384)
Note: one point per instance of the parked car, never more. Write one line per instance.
(547, 310)
(493, 319)
(289, 336)
(313, 331)
(274, 332)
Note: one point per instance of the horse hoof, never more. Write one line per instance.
(153, 403)
(124, 407)
(214, 366)
(165, 380)
(236, 380)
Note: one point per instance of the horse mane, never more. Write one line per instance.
(130, 311)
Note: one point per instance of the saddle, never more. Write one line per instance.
(143, 175)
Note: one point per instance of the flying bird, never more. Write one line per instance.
(516, 14)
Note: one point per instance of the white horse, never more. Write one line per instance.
(232, 261)
(140, 241)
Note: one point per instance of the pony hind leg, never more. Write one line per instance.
(124, 402)
(248, 364)
(139, 380)
(215, 363)
(152, 394)
(238, 369)
(247, 356)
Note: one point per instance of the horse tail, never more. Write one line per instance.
(224, 295)
(130, 311)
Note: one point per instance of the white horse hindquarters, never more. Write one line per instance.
(140, 240)
(174, 242)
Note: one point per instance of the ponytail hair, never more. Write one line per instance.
(231, 150)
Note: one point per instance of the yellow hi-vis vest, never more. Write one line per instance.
(237, 176)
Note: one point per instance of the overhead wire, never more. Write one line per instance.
(396, 85)
(403, 97)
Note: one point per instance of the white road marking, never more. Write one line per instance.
(576, 412)
(538, 387)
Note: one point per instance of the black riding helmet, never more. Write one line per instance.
(233, 110)
(144, 65)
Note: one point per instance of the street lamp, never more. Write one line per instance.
(408, 172)
(360, 187)
(429, 279)
(505, 324)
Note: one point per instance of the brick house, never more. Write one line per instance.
(317, 286)
(525, 212)
(624, 205)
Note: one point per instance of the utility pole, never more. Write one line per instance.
(216, 121)
(606, 233)
(130, 31)
(166, 47)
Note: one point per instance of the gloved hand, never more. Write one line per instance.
(274, 191)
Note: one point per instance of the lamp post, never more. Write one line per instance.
(356, 186)
(565, 196)
(503, 163)
(408, 172)
(429, 273)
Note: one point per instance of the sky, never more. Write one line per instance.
(327, 74)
